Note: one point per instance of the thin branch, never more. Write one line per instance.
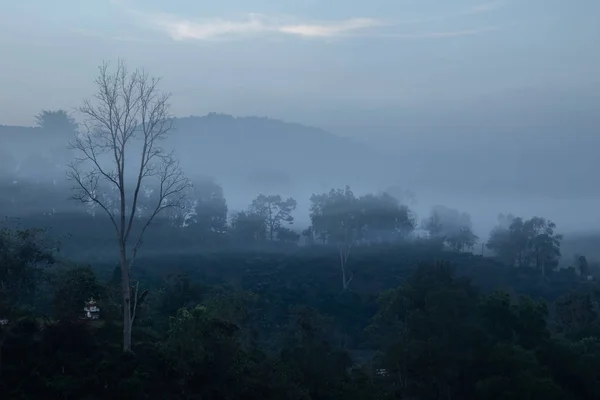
(85, 192)
(172, 193)
(154, 126)
(127, 107)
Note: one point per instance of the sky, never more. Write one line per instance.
(334, 63)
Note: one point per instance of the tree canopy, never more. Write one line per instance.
(526, 243)
(56, 121)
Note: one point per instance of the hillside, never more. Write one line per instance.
(263, 152)
(241, 152)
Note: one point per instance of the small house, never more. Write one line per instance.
(91, 309)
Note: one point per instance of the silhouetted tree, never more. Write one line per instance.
(129, 119)
(56, 121)
(338, 217)
(527, 243)
(452, 226)
(204, 211)
(248, 227)
(274, 210)
(385, 218)
(309, 235)
(433, 226)
(582, 266)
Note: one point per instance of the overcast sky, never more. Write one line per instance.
(302, 60)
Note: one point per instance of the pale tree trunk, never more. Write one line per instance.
(344, 253)
(128, 311)
(126, 293)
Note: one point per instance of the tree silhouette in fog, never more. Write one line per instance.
(56, 121)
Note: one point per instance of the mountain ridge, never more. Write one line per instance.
(249, 151)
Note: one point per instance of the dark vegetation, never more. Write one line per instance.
(364, 303)
(228, 313)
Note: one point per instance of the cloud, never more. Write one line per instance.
(181, 29)
(185, 29)
(331, 29)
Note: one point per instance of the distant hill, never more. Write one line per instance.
(260, 152)
(255, 149)
(242, 153)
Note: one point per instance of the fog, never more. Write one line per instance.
(252, 155)
(485, 109)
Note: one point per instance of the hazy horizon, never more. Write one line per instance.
(486, 106)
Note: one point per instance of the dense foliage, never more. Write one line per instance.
(276, 325)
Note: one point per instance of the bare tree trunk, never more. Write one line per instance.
(343, 263)
(126, 291)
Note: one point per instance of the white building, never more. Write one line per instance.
(91, 309)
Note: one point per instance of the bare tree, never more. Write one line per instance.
(118, 152)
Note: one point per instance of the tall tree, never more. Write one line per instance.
(527, 243)
(452, 226)
(204, 211)
(248, 227)
(119, 151)
(433, 225)
(544, 243)
(211, 208)
(56, 121)
(582, 266)
(339, 218)
(274, 210)
(386, 219)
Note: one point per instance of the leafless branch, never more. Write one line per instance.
(85, 189)
(127, 107)
(172, 192)
(127, 110)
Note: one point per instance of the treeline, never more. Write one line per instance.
(433, 336)
(338, 218)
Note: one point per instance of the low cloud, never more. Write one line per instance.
(331, 29)
(182, 29)
(185, 29)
